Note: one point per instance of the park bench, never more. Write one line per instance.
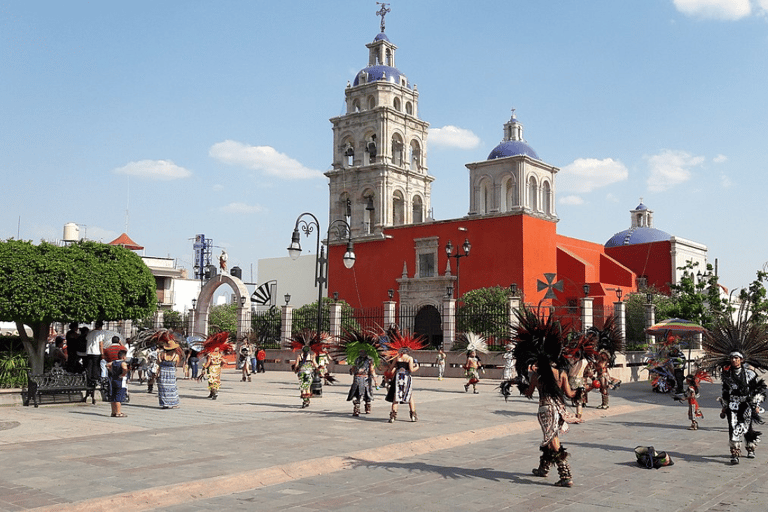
(57, 382)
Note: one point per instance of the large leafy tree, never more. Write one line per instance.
(82, 282)
(696, 297)
(222, 317)
(484, 311)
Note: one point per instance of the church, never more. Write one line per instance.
(379, 184)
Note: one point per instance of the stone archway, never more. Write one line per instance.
(203, 305)
(428, 323)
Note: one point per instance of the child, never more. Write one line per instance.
(691, 394)
(117, 377)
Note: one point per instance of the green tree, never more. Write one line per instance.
(82, 282)
(222, 318)
(696, 297)
(305, 317)
(173, 320)
(484, 311)
(265, 328)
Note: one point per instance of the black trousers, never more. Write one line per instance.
(92, 369)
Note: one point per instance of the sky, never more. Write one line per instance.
(170, 119)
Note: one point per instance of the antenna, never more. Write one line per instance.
(127, 202)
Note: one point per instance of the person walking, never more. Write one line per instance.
(167, 358)
(118, 373)
(402, 366)
(214, 348)
(440, 360)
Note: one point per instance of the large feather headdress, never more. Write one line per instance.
(743, 334)
(538, 341)
(307, 339)
(470, 341)
(219, 340)
(402, 341)
(609, 339)
(355, 342)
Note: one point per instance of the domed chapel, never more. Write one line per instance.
(379, 183)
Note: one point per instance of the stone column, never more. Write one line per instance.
(513, 304)
(286, 323)
(650, 319)
(389, 314)
(334, 319)
(620, 312)
(587, 313)
(449, 322)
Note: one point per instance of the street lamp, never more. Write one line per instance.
(586, 289)
(449, 249)
(449, 292)
(619, 292)
(513, 289)
(391, 293)
(307, 226)
(649, 298)
(287, 298)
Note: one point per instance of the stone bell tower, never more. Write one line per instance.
(379, 174)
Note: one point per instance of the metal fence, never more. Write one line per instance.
(265, 326)
(491, 322)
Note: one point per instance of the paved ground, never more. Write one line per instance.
(255, 449)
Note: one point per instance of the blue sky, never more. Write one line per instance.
(176, 118)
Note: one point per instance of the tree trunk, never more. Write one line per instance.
(35, 346)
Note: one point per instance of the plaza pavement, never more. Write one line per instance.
(255, 449)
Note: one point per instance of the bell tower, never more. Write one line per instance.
(379, 173)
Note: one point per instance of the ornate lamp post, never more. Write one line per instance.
(307, 226)
(449, 250)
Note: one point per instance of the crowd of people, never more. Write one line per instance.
(540, 358)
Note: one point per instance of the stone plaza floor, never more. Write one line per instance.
(255, 449)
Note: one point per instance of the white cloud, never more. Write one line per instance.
(587, 174)
(670, 168)
(721, 158)
(163, 170)
(242, 208)
(727, 10)
(572, 200)
(218, 187)
(453, 136)
(725, 181)
(262, 158)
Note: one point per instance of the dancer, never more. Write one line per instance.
(363, 349)
(734, 348)
(691, 395)
(400, 346)
(168, 357)
(305, 366)
(580, 352)
(538, 346)
(214, 348)
(507, 381)
(608, 341)
(244, 358)
(472, 343)
(324, 359)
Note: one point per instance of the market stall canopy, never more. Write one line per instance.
(675, 327)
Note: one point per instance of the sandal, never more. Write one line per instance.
(121, 415)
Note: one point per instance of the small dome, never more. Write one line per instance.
(641, 206)
(637, 235)
(381, 37)
(380, 72)
(512, 148)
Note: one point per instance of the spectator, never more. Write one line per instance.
(261, 355)
(117, 389)
(112, 351)
(94, 349)
(72, 341)
(59, 355)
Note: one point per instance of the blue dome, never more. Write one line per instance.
(381, 37)
(376, 73)
(512, 148)
(634, 236)
(641, 206)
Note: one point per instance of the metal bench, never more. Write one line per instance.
(56, 382)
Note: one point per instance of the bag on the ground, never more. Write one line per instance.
(649, 458)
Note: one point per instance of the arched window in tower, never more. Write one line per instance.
(348, 152)
(415, 155)
(418, 210)
(388, 57)
(546, 198)
(369, 215)
(398, 209)
(397, 150)
(396, 104)
(408, 108)
(356, 105)
(371, 102)
(343, 209)
(371, 149)
(482, 196)
(533, 192)
(510, 194)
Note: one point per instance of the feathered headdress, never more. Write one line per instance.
(608, 340)
(743, 335)
(538, 341)
(699, 377)
(580, 347)
(399, 342)
(307, 339)
(219, 340)
(470, 341)
(354, 342)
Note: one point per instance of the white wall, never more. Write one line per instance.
(295, 277)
